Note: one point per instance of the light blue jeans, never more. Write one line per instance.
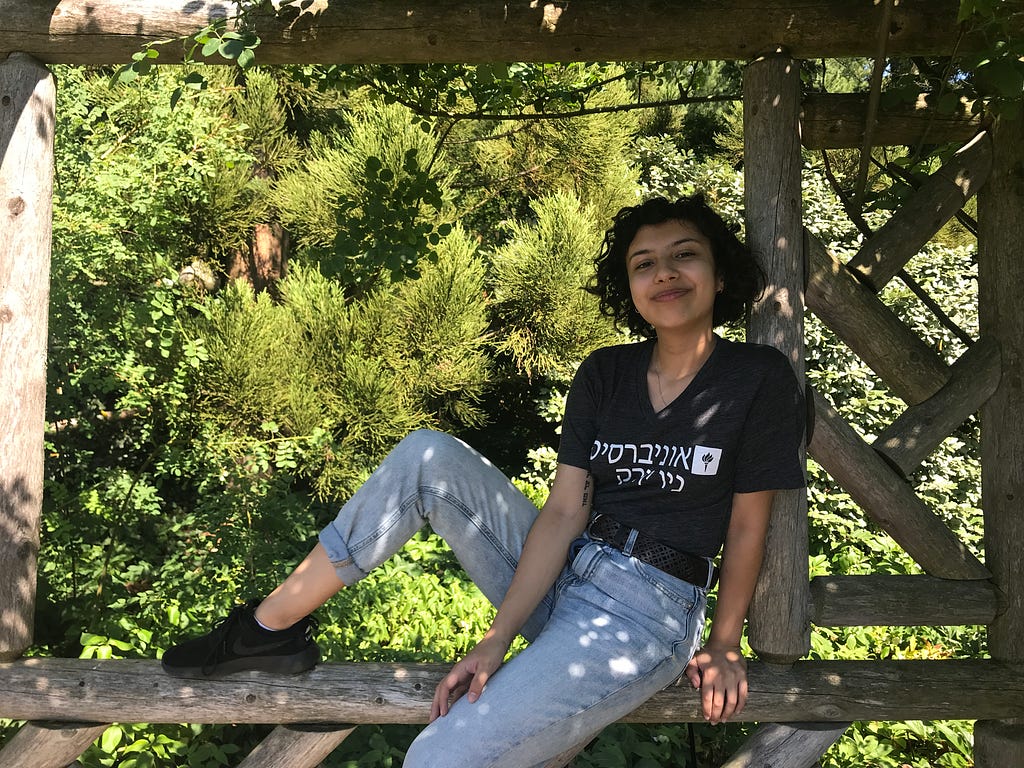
(610, 633)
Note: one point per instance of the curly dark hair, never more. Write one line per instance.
(742, 277)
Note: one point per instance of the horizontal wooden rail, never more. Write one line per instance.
(884, 600)
(836, 121)
(129, 691)
(386, 31)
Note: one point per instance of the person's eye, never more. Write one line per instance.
(685, 255)
(640, 265)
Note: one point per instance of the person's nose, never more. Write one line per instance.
(665, 270)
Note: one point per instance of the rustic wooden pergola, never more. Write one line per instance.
(803, 705)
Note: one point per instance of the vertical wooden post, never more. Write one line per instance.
(27, 102)
(1000, 278)
(779, 624)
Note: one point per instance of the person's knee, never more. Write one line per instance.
(429, 447)
(432, 749)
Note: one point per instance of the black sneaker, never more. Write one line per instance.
(238, 643)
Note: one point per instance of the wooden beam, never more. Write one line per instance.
(779, 626)
(130, 691)
(912, 369)
(387, 31)
(794, 745)
(888, 499)
(49, 745)
(921, 428)
(891, 601)
(27, 98)
(297, 746)
(926, 211)
(1000, 276)
(837, 120)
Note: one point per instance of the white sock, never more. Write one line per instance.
(264, 626)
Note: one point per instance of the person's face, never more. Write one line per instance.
(672, 276)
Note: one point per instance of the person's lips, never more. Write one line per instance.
(669, 295)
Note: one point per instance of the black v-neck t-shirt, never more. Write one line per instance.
(737, 428)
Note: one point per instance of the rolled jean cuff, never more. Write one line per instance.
(338, 554)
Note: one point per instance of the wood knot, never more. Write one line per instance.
(6, 314)
(250, 698)
(6, 101)
(16, 206)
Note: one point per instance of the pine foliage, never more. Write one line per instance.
(546, 321)
(347, 378)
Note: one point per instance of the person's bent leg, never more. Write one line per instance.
(436, 478)
(429, 477)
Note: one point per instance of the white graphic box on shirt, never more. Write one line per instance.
(705, 460)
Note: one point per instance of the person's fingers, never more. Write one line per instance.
(476, 687)
(443, 693)
(692, 673)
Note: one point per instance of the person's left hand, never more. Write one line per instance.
(721, 676)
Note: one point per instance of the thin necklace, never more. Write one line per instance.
(657, 379)
(661, 395)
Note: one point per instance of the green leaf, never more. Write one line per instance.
(111, 738)
(231, 48)
(246, 58)
(211, 46)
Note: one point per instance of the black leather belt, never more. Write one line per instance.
(696, 570)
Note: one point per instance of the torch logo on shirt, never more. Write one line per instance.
(705, 460)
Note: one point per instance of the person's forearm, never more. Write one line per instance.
(740, 567)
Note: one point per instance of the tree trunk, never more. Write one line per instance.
(266, 262)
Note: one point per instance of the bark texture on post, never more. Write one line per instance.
(794, 745)
(296, 746)
(27, 99)
(919, 218)
(1000, 277)
(779, 628)
(49, 745)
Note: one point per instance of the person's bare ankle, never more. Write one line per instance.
(271, 619)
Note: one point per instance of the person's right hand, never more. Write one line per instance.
(470, 675)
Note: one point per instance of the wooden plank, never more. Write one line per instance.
(27, 98)
(48, 745)
(912, 369)
(387, 31)
(998, 744)
(779, 626)
(836, 121)
(921, 428)
(887, 499)
(889, 600)
(793, 745)
(1000, 276)
(296, 746)
(363, 693)
(921, 216)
